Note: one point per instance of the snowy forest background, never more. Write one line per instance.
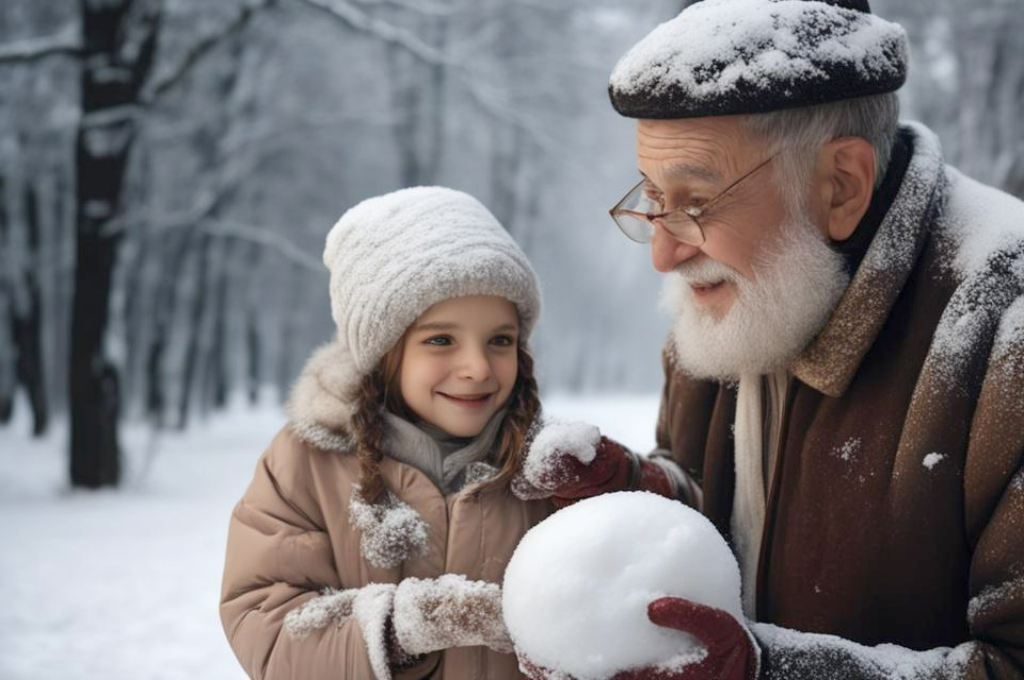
(169, 168)
(168, 172)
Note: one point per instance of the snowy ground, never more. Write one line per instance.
(123, 584)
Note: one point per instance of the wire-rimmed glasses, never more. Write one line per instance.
(637, 213)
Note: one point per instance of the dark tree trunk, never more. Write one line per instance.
(28, 323)
(253, 339)
(165, 300)
(220, 351)
(253, 355)
(194, 348)
(8, 381)
(119, 40)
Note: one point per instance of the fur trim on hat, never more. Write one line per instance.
(322, 401)
(391, 531)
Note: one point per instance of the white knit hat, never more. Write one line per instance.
(392, 257)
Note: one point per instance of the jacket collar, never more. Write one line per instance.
(830, 362)
(322, 401)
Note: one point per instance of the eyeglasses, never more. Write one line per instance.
(636, 214)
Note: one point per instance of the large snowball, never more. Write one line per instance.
(577, 588)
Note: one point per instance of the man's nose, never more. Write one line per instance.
(668, 252)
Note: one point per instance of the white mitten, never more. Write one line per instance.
(448, 611)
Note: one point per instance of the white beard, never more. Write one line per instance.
(773, 317)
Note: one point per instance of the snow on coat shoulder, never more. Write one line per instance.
(982, 232)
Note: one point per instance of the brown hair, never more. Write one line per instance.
(379, 390)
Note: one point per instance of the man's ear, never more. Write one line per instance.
(847, 166)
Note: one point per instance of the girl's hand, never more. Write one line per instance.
(448, 611)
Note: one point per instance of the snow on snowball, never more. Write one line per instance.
(576, 591)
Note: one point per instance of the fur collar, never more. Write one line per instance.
(831, 360)
(322, 401)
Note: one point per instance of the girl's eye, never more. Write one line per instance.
(438, 341)
(503, 341)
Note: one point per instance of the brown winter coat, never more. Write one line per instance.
(290, 537)
(867, 536)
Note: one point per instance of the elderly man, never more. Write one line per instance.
(844, 390)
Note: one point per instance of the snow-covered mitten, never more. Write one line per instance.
(569, 461)
(370, 606)
(448, 611)
(730, 652)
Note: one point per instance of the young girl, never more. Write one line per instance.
(371, 541)
(379, 522)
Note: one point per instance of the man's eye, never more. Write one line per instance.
(438, 340)
(503, 341)
(654, 196)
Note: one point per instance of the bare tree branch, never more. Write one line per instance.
(488, 101)
(65, 43)
(423, 7)
(267, 238)
(360, 21)
(209, 43)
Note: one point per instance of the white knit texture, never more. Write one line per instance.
(394, 256)
(449, 611)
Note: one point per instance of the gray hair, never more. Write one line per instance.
(797, 134)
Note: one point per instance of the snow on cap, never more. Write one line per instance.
(723, 57)
(392, 257)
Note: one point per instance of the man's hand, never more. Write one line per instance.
(569, 461)
(731, 653)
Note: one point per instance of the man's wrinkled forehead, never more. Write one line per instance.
(690, 149)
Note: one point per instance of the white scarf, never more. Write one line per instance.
(748, 504)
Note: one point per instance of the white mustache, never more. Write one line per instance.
(705, 271)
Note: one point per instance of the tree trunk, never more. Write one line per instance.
(119, 40)
(8, 379)
(28, 325)
(196, 341)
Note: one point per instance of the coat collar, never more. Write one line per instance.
(830, 362)
(322, 401)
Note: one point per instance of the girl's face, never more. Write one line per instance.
(459, 362)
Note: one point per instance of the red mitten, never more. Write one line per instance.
(732, 653)
(571, 461)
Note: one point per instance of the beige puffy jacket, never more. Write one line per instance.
(290, 538)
